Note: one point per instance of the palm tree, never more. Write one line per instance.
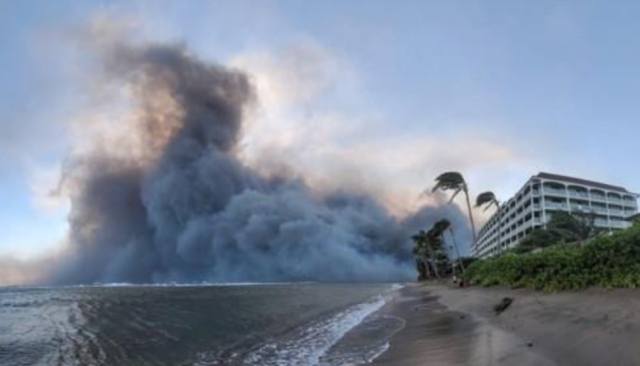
(487, 199)
(455, 245)
(454, 181)
(443, 226)
(425, 253)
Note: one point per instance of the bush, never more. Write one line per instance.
(607, 261)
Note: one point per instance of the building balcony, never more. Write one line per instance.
(581, 208)
(555, 192)
(556, 206)
(576, 194)
(614, 200)
(598, 209)
(620, 224)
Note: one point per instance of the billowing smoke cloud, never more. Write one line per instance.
(179, 205)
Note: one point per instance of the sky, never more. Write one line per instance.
(379, 94)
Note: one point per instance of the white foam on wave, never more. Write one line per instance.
(168, 284)
(201, 284)
(308, 347)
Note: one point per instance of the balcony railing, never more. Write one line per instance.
(558, 206)
(555, 192)
(577, 194)
(620, 224)
(617, 224)
(614, 200)
(597, 197)
(581, 207)
(599, 209)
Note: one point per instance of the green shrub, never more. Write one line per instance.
(609, 261)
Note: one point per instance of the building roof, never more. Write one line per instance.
(581, 181)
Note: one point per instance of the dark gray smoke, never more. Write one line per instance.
(186, 209)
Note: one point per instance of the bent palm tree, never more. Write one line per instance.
(454, 181)
(425, 253)
(445, 225)
(487, 199)
(441, 226)
(455, 245)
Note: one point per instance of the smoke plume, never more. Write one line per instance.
(172, 201)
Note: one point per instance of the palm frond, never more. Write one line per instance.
(449, 181)
(487, 199)
(442, 226)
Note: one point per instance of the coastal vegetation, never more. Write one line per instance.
(429, 250)
(432, 258)
(569, 255)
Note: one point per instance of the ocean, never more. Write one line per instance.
(300, 324)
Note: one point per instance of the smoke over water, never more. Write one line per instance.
(179, 205)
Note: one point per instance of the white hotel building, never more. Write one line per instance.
(544, 194)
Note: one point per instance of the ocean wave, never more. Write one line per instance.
(169, 284)
(308, 346)
(202, 284)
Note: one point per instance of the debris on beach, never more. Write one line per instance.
(502, 305)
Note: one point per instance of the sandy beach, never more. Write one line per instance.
(452, 326)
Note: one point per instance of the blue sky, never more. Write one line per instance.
(496, 89)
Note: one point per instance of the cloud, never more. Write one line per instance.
(324, 128)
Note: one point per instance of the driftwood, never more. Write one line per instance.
(502, 305)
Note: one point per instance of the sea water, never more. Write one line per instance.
(238, 324)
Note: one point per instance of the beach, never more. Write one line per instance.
(458, 326)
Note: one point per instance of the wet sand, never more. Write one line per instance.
(435, 335)
(452, 326)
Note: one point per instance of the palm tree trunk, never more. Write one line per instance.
(455, 245)
(473, 224)
(422, 270)
(427, 266)
(432, 254)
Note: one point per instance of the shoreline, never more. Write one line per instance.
(457, 326)
(437, 335)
